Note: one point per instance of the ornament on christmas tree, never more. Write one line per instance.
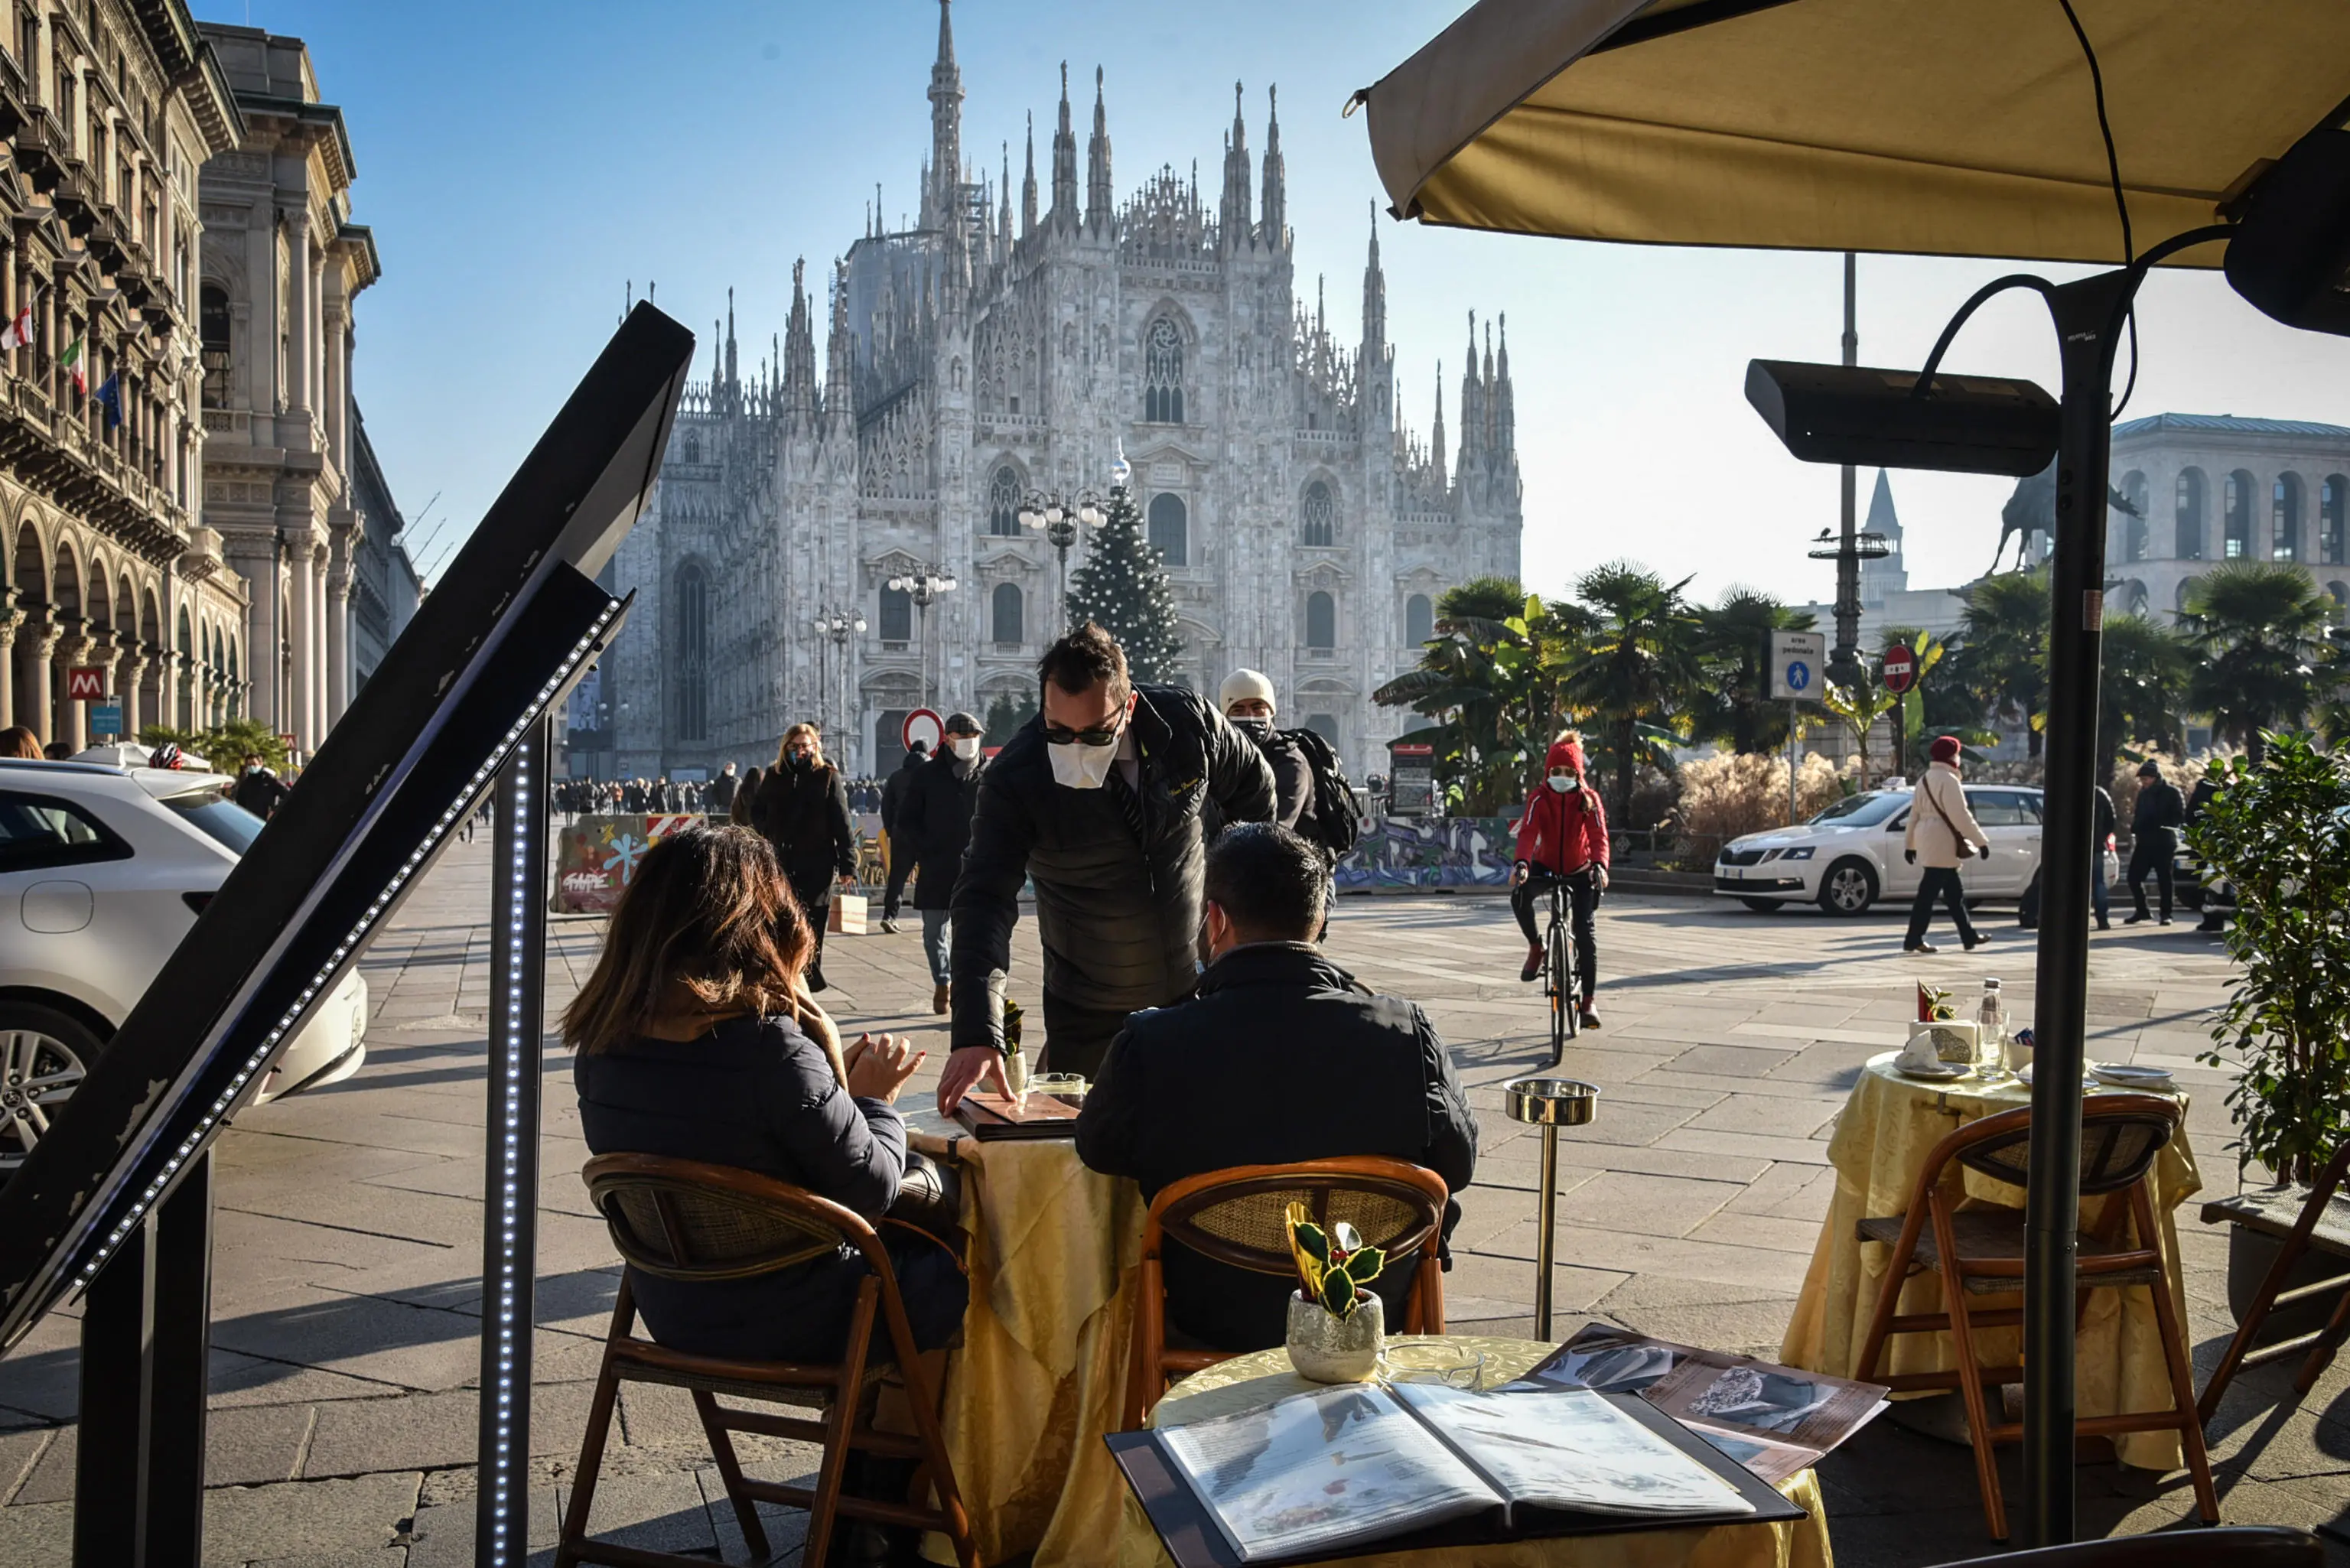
(1122, 587)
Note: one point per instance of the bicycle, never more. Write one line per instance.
(1560, 984)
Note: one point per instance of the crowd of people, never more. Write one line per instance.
(668, 796)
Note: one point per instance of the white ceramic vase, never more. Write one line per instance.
(1329, 1349)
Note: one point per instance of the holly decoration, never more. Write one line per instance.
(1333, 1266)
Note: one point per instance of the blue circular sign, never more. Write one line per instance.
(1799, 675)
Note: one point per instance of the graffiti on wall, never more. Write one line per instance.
(1431, 852)
(596, 856)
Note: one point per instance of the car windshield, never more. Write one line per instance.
(1862, 810)
(223, 821)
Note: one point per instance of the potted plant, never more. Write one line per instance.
(2279, 832)
(1336, 1330)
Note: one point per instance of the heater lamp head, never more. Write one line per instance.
(1860, 415)
(2290, 255)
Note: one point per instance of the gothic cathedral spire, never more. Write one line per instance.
(1097, 192)
(1472, 408)
(1234, 213)
(840, 354)
(1375, 300)
(1436, 441)
(939, 201)
(799, 354)
(1065, 162)
(1506, 411)
(1028, 185)
(1276, 188)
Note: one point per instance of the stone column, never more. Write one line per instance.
(37, 710)
(339, 643)
(336, 314)
(10, 618)
(299, 349)
(131, 669)
(258, 565)
(69, 725)
(306, 670)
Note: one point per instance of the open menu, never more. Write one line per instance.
(1360, 1462)
(992, 1117)
(1774, 1420)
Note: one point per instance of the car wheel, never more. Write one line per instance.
(1849, 888)
(1763, 905)
(44, 1055)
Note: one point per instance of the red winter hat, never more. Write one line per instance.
(1945, 749)
(1567, 751)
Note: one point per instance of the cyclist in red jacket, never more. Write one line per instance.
(1563, 837)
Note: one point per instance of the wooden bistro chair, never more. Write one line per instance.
(1238, 1216)
(2242, 1546)
(1979, 1252)
(683, 1220)
(2316, 1221)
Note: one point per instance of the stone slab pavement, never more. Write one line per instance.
(347, 1293)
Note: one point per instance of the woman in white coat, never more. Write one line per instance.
(1942, 831)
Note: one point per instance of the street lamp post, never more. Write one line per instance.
(839, 627)
(925, 588)
(1061, 519)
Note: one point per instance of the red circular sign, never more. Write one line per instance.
(1900, 667)
(922, 725)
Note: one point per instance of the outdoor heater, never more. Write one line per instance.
(115, 1201)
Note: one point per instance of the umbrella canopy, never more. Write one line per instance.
(1921, 126)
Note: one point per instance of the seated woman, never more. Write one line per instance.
(696, 1039)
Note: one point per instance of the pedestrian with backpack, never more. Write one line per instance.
(1311, 794)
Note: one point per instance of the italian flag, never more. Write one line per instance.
(71, 360)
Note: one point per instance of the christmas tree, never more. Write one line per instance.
(1122, 587)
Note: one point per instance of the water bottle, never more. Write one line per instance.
(1990, 1019)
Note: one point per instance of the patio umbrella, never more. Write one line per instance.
(1912, 126)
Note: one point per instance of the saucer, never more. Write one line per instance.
(2129, 1075)
(1940, 1073)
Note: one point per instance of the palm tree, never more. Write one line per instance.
(1735, 706)
(2003, 657)
(2144, 691)
(1478, 678)
(2261, 629)
(1860, 706)
(1634, 669)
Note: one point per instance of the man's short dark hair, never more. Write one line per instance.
(1083, 658)
(1269, 881)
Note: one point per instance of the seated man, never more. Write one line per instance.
(1280, 1056)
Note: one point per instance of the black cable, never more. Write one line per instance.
(2121, 201)
(2040, 286)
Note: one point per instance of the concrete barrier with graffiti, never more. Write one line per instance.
(1431, 852)
(596, 856)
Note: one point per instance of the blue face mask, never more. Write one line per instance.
(1565, 784)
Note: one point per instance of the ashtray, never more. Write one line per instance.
(1432, 1361)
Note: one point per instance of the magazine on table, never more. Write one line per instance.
(1359, 1463)
(1774, 1420)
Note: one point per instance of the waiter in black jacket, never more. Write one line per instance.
(1097, 800)
(2153, 838)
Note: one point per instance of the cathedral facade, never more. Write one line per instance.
(985, 354)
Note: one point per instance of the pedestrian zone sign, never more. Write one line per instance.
(1797, 661)
(106, 719)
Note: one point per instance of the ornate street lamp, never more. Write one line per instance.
(925, 588)
(1061, 520)
(838, 627)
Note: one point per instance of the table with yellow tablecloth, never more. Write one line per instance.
(1055, 1256)
(1252, 1382)
(1888, 1127)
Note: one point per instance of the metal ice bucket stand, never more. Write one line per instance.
(1549, 1104)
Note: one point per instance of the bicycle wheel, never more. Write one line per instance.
(1565, 1022)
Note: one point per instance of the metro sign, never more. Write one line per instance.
(86, 683)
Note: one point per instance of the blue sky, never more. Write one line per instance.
(520, 162)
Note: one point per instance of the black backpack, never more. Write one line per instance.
(1334, 819)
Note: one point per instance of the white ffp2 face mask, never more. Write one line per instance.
(1079, 766)
(963, 746)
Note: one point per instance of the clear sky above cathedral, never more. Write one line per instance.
(522, 162)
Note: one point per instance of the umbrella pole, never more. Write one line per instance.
(2088, 318)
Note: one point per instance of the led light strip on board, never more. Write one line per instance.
(348, 945)
(514, 907)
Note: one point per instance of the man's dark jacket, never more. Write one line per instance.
(1293, 786)
(1281, 1058)
(722, 794)
(1119, 919)
(935, 824)
(2159, 813)
(894, 792)
(804, 815)
(259, 792)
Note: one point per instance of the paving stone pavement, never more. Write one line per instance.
(347, 1293)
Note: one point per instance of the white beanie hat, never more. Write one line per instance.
(1242, 684)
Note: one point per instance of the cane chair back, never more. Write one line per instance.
(1239, 1216)
(2234, 1546)
(683, 1220)
(1982, 1251)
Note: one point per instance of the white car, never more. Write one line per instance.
(102, 871)
(1849, 857)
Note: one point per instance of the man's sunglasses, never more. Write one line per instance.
(1099, 735)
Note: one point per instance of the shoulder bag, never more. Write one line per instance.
(1966, 848)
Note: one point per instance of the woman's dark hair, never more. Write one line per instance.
(20, 742)
(1083, 658)
(707, 922)
(1269, 881)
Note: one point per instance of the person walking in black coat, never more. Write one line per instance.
(720, 794)
(1098, 801)
(1281, 1058)
(933, 825)
(259, 790)
(2161, 811)
(801, 808)
(901, 865)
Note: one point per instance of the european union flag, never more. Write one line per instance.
(110, 395)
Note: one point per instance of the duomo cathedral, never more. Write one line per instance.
(1002, 347)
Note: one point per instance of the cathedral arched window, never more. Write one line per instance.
(1162, 373)
(694, 446)
(2188, 509)
(2237, 513)
(2284, 518)
(1004, 611)
(693, 652)
(896, 617)
(2330, 500)
(1321, 622)
(1003, 503)
(1419, 619)
(1170, 526)
(1317, 513)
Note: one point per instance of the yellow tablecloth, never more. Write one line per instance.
(1250, 1381)
(1881, 1142)
(1055, 1255)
